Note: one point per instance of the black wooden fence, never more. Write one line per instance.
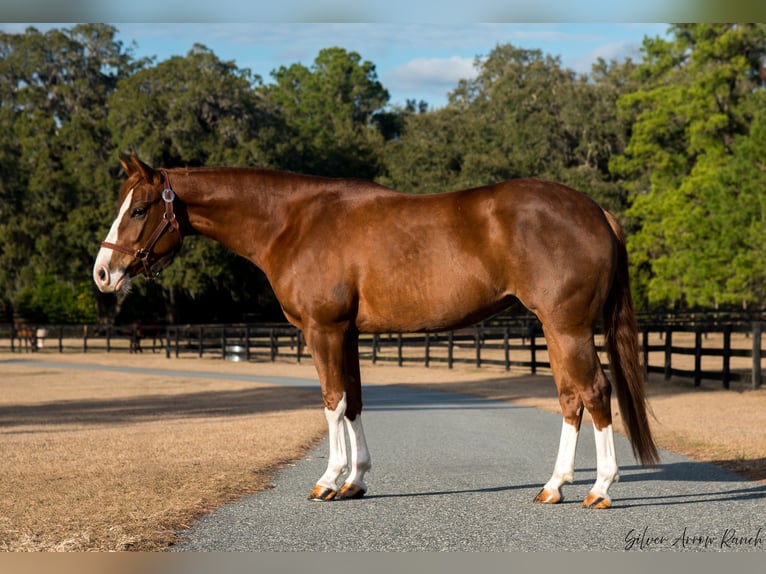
(270, 342)
(696, 349)
(700, 349)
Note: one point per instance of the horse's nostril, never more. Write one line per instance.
(102, 274)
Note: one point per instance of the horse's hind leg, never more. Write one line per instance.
(581, 382)
(572, 410)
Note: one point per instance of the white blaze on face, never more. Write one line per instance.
(107, 279)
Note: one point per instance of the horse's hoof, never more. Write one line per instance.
(350, 491)
(322, 493)
(596, 501)
(546, 496)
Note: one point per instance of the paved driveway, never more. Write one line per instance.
(458, 473)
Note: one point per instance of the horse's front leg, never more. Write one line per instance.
(336, 356)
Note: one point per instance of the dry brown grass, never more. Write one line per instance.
(94, 460)
(104, 461)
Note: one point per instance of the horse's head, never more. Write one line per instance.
(145, 235)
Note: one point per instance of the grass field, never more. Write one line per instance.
(94, 460)
(98, 460)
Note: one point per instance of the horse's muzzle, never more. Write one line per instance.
(108, 282)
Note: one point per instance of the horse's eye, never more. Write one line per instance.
(138, 212)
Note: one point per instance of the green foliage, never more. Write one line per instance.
(193, 110)
(691, 121)
(427, 158)
(522, 116)
(55, 152)
(329, 112)
(50, 301)
(674, 145)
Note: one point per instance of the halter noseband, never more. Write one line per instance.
(169, 221)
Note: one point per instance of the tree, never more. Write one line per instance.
(329, 110)
(738, 208)
(427, 157)
(516, 102)
(54, 150)
(198, 110)
(597, 133)
(521, 116)
(193, 110)
(696, 105)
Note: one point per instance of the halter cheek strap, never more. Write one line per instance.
(169, 221)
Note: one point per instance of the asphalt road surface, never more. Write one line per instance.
(458, 473)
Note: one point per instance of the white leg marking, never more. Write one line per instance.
(105, 254)
(360, 456)
(563, 470)
(338, 460)
(606, 461)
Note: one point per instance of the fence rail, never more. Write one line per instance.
(707, 350)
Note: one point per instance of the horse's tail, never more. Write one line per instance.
(627, 373)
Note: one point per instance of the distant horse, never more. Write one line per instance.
(27, 336)
(346, 257)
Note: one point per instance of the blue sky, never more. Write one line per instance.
(413, 61)
(416, 61)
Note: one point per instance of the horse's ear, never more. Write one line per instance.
(146, 170)
(131, 164)
(127, 166)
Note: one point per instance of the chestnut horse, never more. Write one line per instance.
(346, 257)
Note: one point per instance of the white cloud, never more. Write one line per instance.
(434, 75)
(618, 51)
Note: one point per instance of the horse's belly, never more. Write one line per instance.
(437, 304)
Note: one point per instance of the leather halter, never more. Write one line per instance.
(168, 221)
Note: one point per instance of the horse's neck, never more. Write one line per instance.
(242, 210)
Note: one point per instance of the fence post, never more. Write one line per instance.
(299, 344)
(399, 343)
(200, 344)
(533, 349)
(167, 341)
(697, 355)
(726, 376)
(645, 349)
(61, 339)
(450, 348)
(223, 342)
(757, 375)
(273, 344)
(247, 345)
(428, 350)
(506, 346)
(108, 338)
(85, 339)
(477, 341)
(374, 348)
(668, 352)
